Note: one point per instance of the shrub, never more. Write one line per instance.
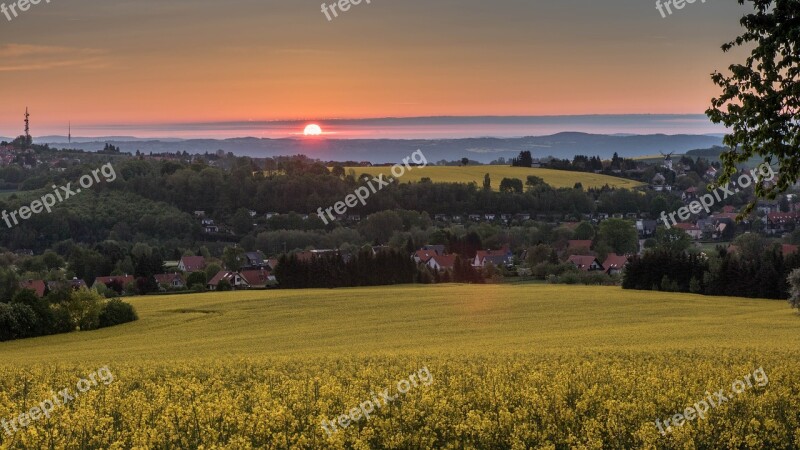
(224, 286)
(794, 288)
(116, 312)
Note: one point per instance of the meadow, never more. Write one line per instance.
(513, 367)
(475, 174)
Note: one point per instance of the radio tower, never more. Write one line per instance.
(27, 124)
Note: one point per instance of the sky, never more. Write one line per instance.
(128, 66)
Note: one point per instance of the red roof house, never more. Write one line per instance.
(37, 286)
(192, 264)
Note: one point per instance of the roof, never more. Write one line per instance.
(687, 226)
(583, 262)
(782, 217)
(445, 261)
(222, 275)
(425, 255)
(256, 277)
(788, 249)
(167, 278)
(575, 244)
(255, 258)
(37, 286)
(193, 263)
(122, 279)
(615, 261)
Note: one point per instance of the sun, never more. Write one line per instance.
(312, 130)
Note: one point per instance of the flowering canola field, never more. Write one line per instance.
(512, 367)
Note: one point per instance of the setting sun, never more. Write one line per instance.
(312, 130)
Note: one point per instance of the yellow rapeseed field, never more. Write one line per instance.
(513, 367)
(469, 174)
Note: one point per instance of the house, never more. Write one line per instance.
(523, 217)
(779, 222)
(258, 279)
(423, 256)
(74, 284)
(490, 217)
(475, 217)
(689, 195)
(272, 263)
(789, 249)
(442, 262)
(199, 214)
(192, 264)
(39, 287)
(498, 258)
(206, 222)
(211, 229)
(579, 244)
(711, 173)
(646, 228)
(170, 280)
(728, 209)
(439, 249)
(691, 229)
(440, 217)
(255, 260)
(122, 280)
(615, 263)
(235, 279)
(586, 263)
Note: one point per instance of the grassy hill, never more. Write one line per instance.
(512, 366)
(469, 174)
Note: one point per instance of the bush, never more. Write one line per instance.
(116, 312)
(224, 286)
(794, 288)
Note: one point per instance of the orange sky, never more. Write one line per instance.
(126, 61)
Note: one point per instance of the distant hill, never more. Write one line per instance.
(561, 145)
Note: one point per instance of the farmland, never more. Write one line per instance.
(523, 366)
(475, 174)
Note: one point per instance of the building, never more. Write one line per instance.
(586, 263)
(498, 258)
(691, 229)
(170, 280)
(121, 280)
(615, 263)
(442, 262)
(236, 280)
(39, 287)
(258, 279)
(192, 264)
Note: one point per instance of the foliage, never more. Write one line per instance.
(116, 312)
(759, 100)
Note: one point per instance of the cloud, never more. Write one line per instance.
(26, 57)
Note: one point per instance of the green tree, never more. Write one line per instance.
(759, 102)
(511, 185)
(464, 161)
(84, 307)
(584, 231)
(241, 221)
(619, 236)
(673, 239)
(233, 258)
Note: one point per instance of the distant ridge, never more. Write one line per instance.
(560, 145)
